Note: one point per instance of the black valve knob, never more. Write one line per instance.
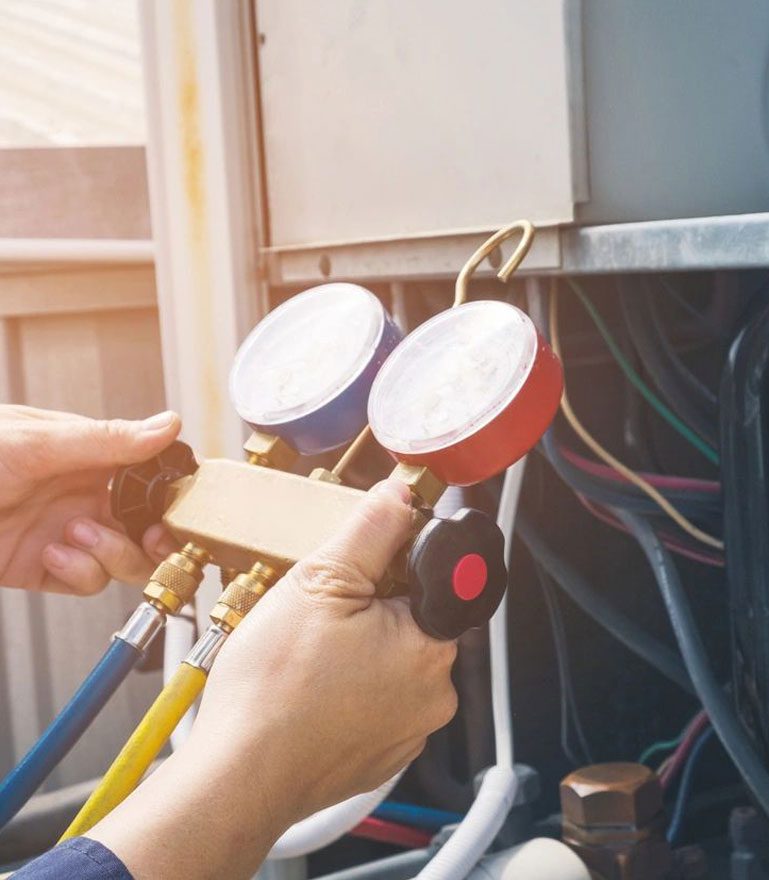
(138, 491)
(457, 573)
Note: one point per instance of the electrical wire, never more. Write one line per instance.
(713, 698)
(685, 305)
(687, 396)
(668, 772)
(415, 814)
(632, 376)
(660, 746)
(707, 397)
(676, 822)
(567, 698)
(661, 481)
(590, 441)
(615, 622)
(670, 541)
(614, 493)
(391, 832)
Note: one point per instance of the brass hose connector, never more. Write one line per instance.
(425, 487)
(241, 594)
(267, 450)
(175, 580)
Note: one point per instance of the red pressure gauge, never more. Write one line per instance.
(467, 393)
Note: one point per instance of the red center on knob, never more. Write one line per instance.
(469, 576)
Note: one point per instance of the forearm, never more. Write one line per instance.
(200, 815)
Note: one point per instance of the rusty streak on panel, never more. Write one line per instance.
(194, 159)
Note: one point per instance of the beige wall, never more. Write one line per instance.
(81, 338)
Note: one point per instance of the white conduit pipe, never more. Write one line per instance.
(466, 846)
(328, 825)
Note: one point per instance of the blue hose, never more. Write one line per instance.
(67, 728)
(411, 814)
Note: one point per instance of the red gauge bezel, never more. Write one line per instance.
(508, 436)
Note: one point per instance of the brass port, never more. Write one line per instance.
(267, 450)
(325, 476)
(241, 594)
(425, 486)
(175, 581)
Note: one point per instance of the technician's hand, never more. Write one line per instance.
(324, 691)
(55, 529)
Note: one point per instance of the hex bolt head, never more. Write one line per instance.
(604, 795)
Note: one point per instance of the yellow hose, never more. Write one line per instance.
(141, 749)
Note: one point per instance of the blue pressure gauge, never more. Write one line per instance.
(305, 371)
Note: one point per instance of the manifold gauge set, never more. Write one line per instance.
(458, 400)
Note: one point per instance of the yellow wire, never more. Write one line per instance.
(141, 749)
(590, 441)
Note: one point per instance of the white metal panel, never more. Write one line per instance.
(389, 118)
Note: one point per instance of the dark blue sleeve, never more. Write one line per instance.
(77, 859)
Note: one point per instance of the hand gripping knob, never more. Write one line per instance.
(138, 491)
(457, 573)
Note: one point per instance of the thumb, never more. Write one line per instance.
(63, 446)
(358, 555)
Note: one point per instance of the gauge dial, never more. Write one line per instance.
(467, 393)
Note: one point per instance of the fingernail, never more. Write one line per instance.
(395, 489)
(158, 422)
(57, 555)
(84, 534)
(165, 547)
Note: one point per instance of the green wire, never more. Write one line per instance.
(670, 417)
(662, 746)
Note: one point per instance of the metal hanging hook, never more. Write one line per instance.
(524, 227)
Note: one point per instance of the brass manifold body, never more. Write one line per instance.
(241, 513)
(254, 521)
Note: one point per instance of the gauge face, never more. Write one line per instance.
(305, 352)
(452, 376)
(305, 371)
(467, 393)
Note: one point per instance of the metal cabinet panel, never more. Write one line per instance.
(677, 108)
(385, 118)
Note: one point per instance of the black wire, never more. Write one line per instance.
(687, 396)
(693, 504)
(636, 639)
(712, 696)
(707, 397)
(691, 310)
(567, 697)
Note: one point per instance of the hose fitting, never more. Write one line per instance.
(241, 594)
(206, 648)
(175, 580)
(142, 626)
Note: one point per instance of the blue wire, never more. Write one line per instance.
(674, 829)
(411, 814)
(67, 728)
